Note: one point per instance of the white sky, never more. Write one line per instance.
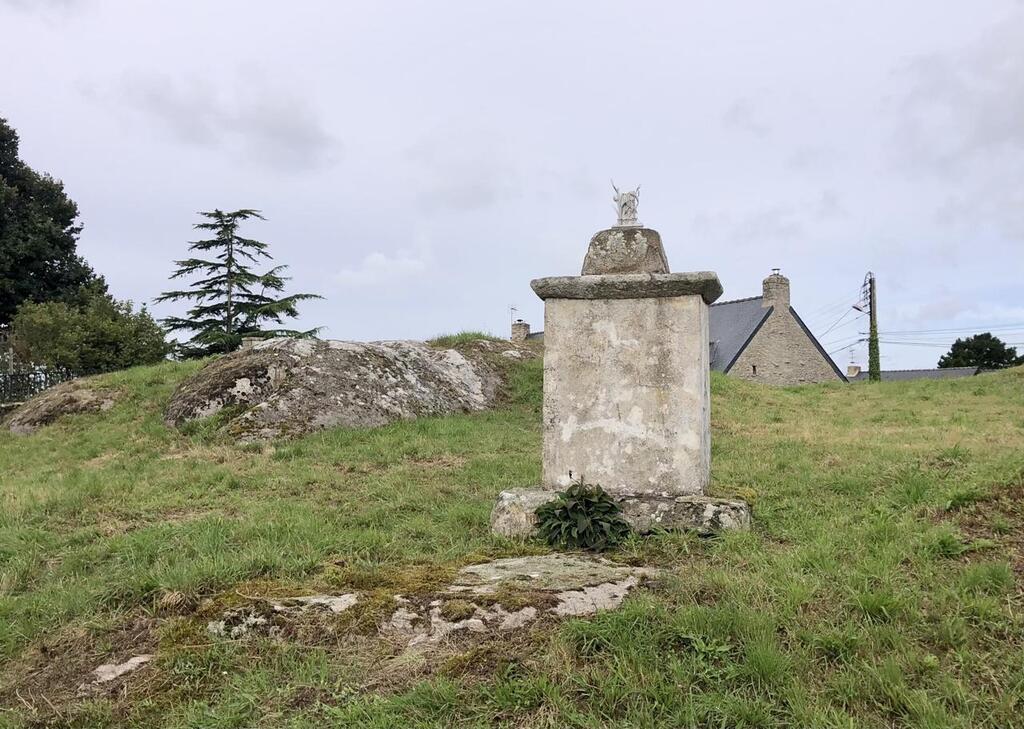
(420, 162)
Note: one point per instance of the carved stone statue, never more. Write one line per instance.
(626, 204)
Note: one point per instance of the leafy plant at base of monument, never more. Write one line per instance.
(583, 516)
(231, 302)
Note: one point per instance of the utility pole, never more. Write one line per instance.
(874, 361)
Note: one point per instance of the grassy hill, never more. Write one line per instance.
(881, 585)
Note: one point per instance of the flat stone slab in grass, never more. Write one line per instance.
(265, 616)
(548, 572)
(558, 585)
(493, 597)
(514, 514)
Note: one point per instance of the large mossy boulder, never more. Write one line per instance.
(289, 387)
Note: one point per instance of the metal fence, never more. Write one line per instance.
(20, 385)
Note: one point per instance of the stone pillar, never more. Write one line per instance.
(520, 330)
(627, 398)
(626, 381)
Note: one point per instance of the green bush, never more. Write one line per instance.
(92, 333)
(582, 517)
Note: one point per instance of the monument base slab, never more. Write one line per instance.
(514, 514)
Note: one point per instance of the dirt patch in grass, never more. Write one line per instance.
(444, 463)
(56, 672)
(1000, 519)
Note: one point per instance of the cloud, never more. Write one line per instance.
(829, 205)
(378, 268)
(42, 4)
(742, 116)
(966, 106)
(811, 158)
(271, 128)
(780, 222)
(462, 171)
(958, 124)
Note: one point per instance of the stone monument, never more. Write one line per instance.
(627, 398)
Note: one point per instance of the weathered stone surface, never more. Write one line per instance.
(514, 514)
(109, 671)
(630, 286)
(68, 398)
(267, 616)
(559, 585)
(548, 572)
(781, 352)
(288, 387)
(627, 394)
(625, 250)
(647, 512)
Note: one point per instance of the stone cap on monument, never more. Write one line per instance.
(625, 250)
(628, 261)
(630, 286)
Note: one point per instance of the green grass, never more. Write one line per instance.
(451, 340)
(880, 587)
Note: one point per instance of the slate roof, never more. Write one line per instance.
(944, 373)
(733, 324)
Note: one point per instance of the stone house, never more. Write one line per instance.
(760, 338)
(763, 339)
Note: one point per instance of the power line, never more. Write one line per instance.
(936, 344)
(848, 340)
(979, 329)
(846, 346)
(828, 313)
(835, 304)
(846, 314)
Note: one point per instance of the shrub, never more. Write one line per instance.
(583, 516)
(94, 333)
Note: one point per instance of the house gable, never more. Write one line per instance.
(732, 325)
(784, 352)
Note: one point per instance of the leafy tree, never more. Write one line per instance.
(38, 234)
(92, 333)
(231, 301)
(981, 350)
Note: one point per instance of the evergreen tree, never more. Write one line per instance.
(231, 301)
(38, 235)
(981, 350)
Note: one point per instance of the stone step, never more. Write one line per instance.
(514, 514)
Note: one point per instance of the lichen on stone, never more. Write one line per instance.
(289, 387)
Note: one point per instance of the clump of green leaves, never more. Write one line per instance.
(583, 516)
(88, 333)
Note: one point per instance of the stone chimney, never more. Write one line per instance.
(776, 290)
(520, 330)
(852, 370)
